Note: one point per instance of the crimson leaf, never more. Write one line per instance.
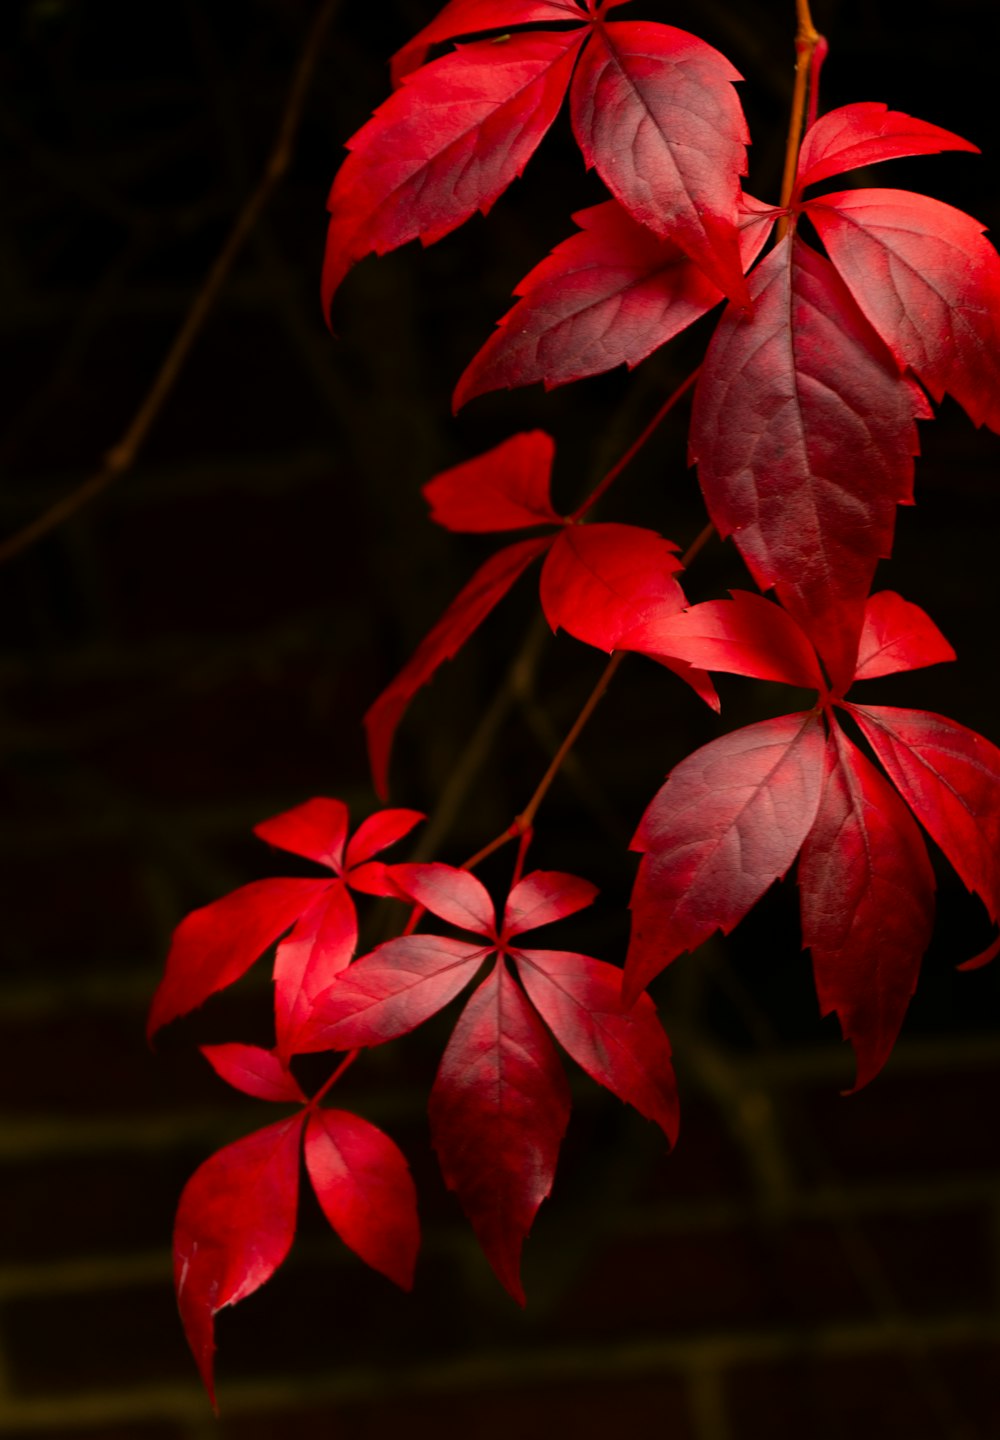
(867, 892)
(624, 1049)
(364, 1187)
(728, 822)
(804, 437)
(498, 1111)
(480, 115)
(609, 295)
(928, 281)
(654, 111)
(235, 1224)
(863, 134)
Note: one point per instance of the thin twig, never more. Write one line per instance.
(122, 456)
(808, 43)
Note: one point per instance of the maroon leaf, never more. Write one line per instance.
(389, 992)
(928, 281)
(804, 437)
(235, 1225)
(601, 581)
(216, 945)
(625, 1050)
(318, 949)
(316, 830)
(466, 17)
(728, 822)
(746, 635)
(543, 897)
(867, 891)
(865, 133)
(950, 778)
(363, 1184)
(255, 1071)
(654, 110)
(505, 489)
(447, 143)
(607, 296)
(498, 1111)
(898, 635)
(464, 615)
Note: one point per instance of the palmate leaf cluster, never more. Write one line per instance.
(844, 314)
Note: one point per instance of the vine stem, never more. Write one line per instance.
(609, 479)
(122, 456)
(522, 825)
(810, 52)
(345, 1064)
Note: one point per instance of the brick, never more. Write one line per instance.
(828, 1398)
(58, 1207)
(907, 1122)
(64, 1344)
(110, 1429)
(587, 1409)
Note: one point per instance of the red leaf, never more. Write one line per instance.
(391, 991)
(726, 825)
(363, 1184)
(607, 296)
(505, 489)
(316, 830)
(447, 143)
(543, 897)
(654, 111)
(235, 1225)
(216, 945)
(466, 17)
(498, 1111)
(378, 832)
(804, 437)
(464, 615)
(255, 1071)
(898, 635)
(451, 894)
(625, 1050)
(865, 133)
(601, 581)
(950, 778)
(318, 949)
(867, 891)
(928, 280)
(746, 635)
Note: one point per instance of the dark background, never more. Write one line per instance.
(194, 651)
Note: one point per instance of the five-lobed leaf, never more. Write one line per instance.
(447, 143)
(897, 635)
(928, 281)
(803, 431)
(364, 1187)
(506, 488)
(655, 112)
(498, 1111)
(864, 134)
(728, 822)
(623, 1048)
(950, 778)
(235, 1224)
(867, 895)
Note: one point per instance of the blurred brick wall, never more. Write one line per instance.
(194, 652)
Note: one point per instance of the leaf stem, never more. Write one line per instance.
(345, 1064)
(609, 479)
(810, 52)
(122, 457)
